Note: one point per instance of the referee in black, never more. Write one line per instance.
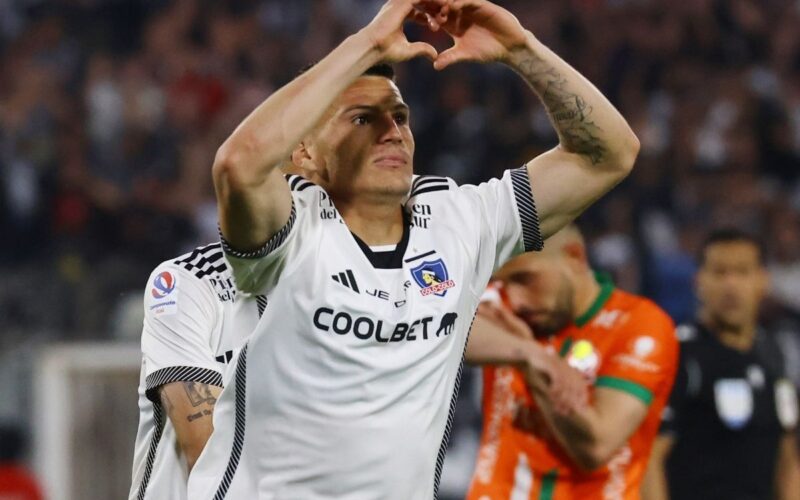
(727, 433)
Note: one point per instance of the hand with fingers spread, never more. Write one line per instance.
(481, 31)
(386, 29)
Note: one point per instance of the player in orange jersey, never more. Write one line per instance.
(622, 344)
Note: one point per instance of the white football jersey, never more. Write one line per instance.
(347, 388)
(194, 319)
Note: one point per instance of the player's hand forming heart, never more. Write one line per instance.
(386, 30)
(482, 32)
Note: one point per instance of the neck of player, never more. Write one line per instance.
(376, 223)
(738, 337)
(587, 290)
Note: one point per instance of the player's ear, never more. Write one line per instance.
(302, 159)
(576, 256)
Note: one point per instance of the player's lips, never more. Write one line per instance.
(392, 160)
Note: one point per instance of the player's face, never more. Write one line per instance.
(540, 293)
(731, 283)
(365, 145)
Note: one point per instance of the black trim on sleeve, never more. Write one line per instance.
(179, 374)
(203, 261)
(158, 430)
(270, 246)
(450, 417)
(531, 234)
(261, 303)
(240, 422)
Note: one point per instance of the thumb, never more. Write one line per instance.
(418, 49)
(450, 56)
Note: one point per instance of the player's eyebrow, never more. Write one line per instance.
(519, 277)
(401, 106)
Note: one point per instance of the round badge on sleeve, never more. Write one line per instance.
(584, 358)
(786, 403)
(734, 399)
(163, 297)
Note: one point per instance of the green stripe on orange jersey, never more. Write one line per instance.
(623, 342)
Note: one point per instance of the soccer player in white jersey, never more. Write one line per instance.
(193, 320)
(346, 388)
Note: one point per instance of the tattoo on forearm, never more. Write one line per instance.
(569, 111)
(199, 394)
(199, 414)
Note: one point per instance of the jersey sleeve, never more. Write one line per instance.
(258, 271)
(180, 315)
(508, 221)
(643, 360)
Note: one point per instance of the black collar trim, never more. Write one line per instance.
(392, 259)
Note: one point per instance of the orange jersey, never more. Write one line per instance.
(623, 342)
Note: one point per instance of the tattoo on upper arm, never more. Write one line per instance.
(199, 393)
(569, 111)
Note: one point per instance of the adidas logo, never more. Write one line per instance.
(225, 358)
(347, 279)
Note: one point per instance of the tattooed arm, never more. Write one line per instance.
(190, 406)
(596, 148)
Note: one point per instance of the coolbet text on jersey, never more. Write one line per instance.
(622, 342)
(193, 320)
(347, 387)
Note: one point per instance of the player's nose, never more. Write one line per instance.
(390, 129)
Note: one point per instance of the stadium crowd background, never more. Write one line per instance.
(111, 112)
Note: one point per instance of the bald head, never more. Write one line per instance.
(566, 247)
(567, 240)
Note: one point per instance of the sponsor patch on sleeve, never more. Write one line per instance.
(640, 354)
(163, 297)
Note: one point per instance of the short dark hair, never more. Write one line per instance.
(385, 70)
(731, 235)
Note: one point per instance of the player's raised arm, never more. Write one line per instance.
(596, 148)
(254, 200)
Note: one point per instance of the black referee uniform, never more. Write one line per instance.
(727, 413)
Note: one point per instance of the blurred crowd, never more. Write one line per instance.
(111, 112)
